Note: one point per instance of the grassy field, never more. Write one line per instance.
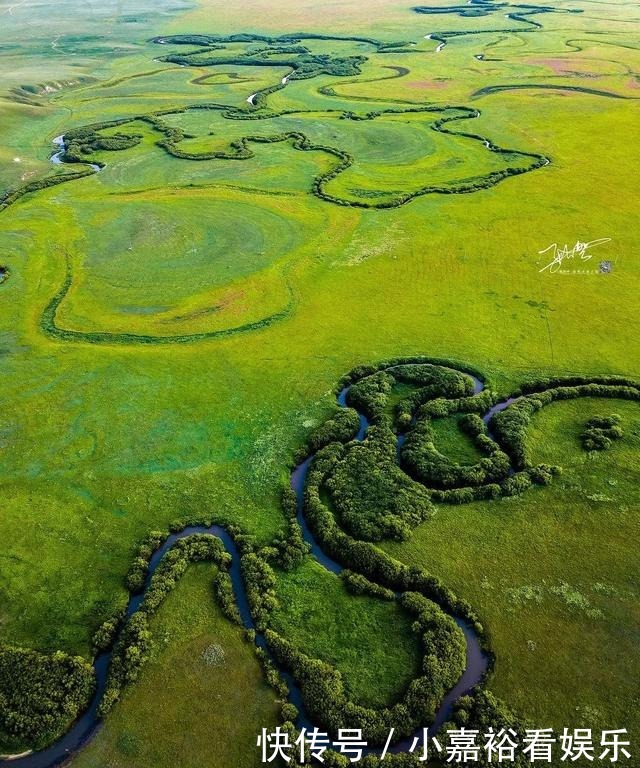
(352, 633)
(273, 294)
(202, 673)
(452, 442)
(549, 572)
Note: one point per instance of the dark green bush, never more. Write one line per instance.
(359, 585)
(341, 428)
(600, 432)
(40, 695)
(373, 498)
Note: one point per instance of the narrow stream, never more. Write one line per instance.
(476, 660)
(56, 157)
(86, 725)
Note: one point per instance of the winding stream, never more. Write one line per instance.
(87, 724)
(441, 43)
(56, 157)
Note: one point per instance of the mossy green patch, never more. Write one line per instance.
(325, 621)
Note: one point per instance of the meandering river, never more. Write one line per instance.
(86, 725)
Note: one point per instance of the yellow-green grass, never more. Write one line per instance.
(222, 705)
(452, 442)
(352, 633)
(57, 48)
(99, 444)
(549, 573)
(220, 265)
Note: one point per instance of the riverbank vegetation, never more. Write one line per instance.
(350, 701)
(174, 326)
(41, 695)
(184, 680)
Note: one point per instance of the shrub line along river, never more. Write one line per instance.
(86, 725)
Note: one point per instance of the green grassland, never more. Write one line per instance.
(327, 622)
(549, 572)
(451, 441)
(172, 328)
(199, 674)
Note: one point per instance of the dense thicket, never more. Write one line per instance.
(372, 497)
(600, 432)
(303, 65)
(430, 382)
(260, 582)
(340, 428)
(357, 584)
(482, 711)
(76, 149)
(40, 694)
(290, 545)
(370, 395)
(137, 574)
(291, 38)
